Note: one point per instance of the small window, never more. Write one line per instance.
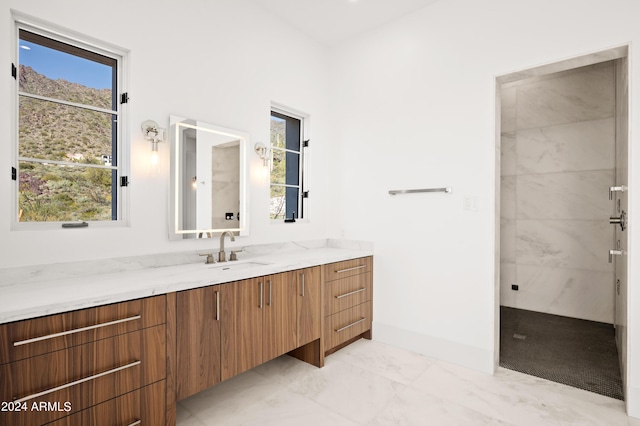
(287, 155)
(69, 150)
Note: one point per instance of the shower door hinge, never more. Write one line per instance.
(14, 72)
(14, 173)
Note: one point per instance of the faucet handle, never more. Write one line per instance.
(234, 254)
(209, 257)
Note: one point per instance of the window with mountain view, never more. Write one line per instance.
(286, 167)
(68, 109)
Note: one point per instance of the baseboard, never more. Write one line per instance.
(633, 402)
(434, 347)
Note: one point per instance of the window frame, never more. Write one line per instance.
(122, 143)
(303, 173)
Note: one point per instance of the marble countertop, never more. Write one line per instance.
(23, 296)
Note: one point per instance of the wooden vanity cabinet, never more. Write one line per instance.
(226, 329)
(198, 339)
(60, 366)
(347, 302)
(309, 291)
(279, 321)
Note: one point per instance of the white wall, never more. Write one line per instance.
(221, 62)
(414, 102)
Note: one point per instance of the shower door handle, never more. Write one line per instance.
(616, 253)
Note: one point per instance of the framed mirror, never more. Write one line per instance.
(208, 179)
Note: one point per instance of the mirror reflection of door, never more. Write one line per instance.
(208, 179)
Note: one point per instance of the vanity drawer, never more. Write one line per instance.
(346, 293)
(347, 324)
(28, 338)
(347, 268)
(141, 407)
(70, 380)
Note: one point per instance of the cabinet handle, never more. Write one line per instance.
(260, 284)
(136, 423)
(76, 330)
(217, 306)
(77, 382)
(351, 292)
(350, 269)
(270, 293)
(302, 285)
(350, 325)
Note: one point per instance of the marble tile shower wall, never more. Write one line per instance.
(557, 163)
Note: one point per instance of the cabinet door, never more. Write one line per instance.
(279, 320)
(198, 340)
(309, 315)
(241, 326)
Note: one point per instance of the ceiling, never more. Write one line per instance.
(332, 21)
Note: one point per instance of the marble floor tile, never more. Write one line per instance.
(519, 399)
(412, 407)
(353, 392)
(359, 386)
(395, 364)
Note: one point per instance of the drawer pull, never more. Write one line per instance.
(350, 269)
(77, 382)
(136, 423)
(217, 306)
(350, 325)
(360, 290)
(77, 330)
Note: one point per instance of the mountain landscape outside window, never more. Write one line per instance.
(67, 132)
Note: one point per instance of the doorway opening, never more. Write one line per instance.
(562, 170)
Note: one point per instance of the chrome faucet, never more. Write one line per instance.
(222, 256)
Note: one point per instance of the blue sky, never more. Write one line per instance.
(55, 64)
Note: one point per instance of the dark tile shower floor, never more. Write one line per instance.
(572, 351)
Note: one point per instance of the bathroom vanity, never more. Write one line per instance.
(146, 338)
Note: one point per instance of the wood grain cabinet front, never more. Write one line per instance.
(226, 329)
(348, 294)
(71, 375)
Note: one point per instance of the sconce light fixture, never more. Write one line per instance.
(154, 134)
(263, 153)
(194, 182)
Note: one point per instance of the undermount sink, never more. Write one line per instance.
(235, 266)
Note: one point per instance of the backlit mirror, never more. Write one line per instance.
(208, 179)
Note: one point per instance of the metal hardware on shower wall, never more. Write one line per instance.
(613, 189)
(614, 253)
(621, 220)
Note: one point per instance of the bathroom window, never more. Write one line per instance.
(69, 106)
(288, 144)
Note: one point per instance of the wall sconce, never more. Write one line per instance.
(154, 134)
(194, 182)
(263, 153)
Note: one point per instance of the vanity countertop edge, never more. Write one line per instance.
(30, 300)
